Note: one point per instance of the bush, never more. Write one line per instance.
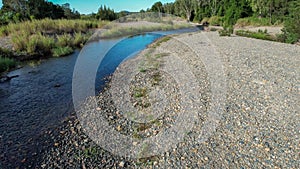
(224, 33)
(253, 21)
(215, 21)
(204, 20)
(80, 39)
(62, 51)
(64, 40)
(256, 35)
(40, 44)
(6, 64)
(5, 53)
(291, 25)
(20, 41)
(51, 26)
(227, 31)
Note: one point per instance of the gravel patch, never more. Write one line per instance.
(259, 127)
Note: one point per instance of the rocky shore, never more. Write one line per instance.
(258, 127)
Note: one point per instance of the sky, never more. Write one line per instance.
(89, 6)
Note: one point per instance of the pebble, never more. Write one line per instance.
(121, 164)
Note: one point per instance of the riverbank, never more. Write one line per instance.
(41, 39)
(257, 129)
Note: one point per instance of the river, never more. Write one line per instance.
(40, 98)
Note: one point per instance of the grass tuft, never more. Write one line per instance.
(6, 64)
(252, 21)
(62, 51)
(257, 35)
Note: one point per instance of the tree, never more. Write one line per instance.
(187, 7)
(291, 26)
(105, 13)
(40, 9)
(169, 8)
(70, 14)
(157, 7)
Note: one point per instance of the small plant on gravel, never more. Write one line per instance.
(156, 78)
(140, 92)
(142, 69)
(160, 41)
(90, 152)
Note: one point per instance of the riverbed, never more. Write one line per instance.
(40, 98)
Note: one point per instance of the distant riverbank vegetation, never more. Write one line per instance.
(233, 13)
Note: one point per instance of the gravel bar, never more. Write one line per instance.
(258, 127)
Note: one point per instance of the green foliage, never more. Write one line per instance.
(140, 92)
(257, 35)
(5, 53)
(291, 25)
(16, 11)
(126, 31)
(105, 13)
(80, 39)
(62, 51)
(215, 21)
(20, 41)
(6, 64)
(39, 37)
(252, 21)
(46, 26)
(224, 33)
(63, 40)
(157, 7)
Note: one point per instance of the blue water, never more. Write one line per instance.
(122, 50)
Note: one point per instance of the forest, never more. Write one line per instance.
(228, 13)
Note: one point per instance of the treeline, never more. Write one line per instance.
(227, 12)
(22, 10)
(14, 11)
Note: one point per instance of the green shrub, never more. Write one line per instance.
(224, 33)
(5, 53)
(20, 41)
(291, 26)
(215, 21)
(204, 20)
(256, 35)
(253, 21)
(227, 31)
(3, 31)
(64, 40)
(80, 39)
(62, 51)
(213, 29)
(6, 64)
(40, 44)
(51, 26)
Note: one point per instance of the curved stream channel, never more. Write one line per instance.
(41, 97)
